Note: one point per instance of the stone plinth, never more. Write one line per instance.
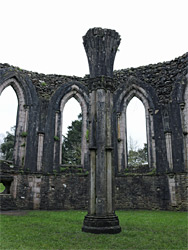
(101, 224)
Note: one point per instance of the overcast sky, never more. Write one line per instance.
(46, 36)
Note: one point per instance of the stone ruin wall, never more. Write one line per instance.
(70, 191)
(36, 180)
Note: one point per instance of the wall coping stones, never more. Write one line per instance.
(160, 76)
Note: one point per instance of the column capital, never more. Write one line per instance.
(102, 82)
(101, 46)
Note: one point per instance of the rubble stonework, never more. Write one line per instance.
(36, 181)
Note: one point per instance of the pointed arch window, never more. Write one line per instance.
(76, 97)
(21, 120)
(71, 133)
(136, 133)
(8, 114)
(125, 125)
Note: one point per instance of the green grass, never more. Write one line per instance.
(2, 187)
(146, 230)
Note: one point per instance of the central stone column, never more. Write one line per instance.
(101, 46)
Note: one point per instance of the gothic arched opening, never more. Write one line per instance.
(72, 133)
(8, 114)
(136, 133)
(145, 137)
(73, 113)
(20, 121)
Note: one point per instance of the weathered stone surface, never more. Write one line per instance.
(162, 76)
(70, 191)
(36, 179)
(101, 46)
(106, 224)
(7, 202)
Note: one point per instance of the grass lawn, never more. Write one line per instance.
(2, 187)
(62, 230)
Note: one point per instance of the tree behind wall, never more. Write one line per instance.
(71, 146)
(7, 146)
(137, 156)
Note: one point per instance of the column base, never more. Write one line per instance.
(101, 224)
